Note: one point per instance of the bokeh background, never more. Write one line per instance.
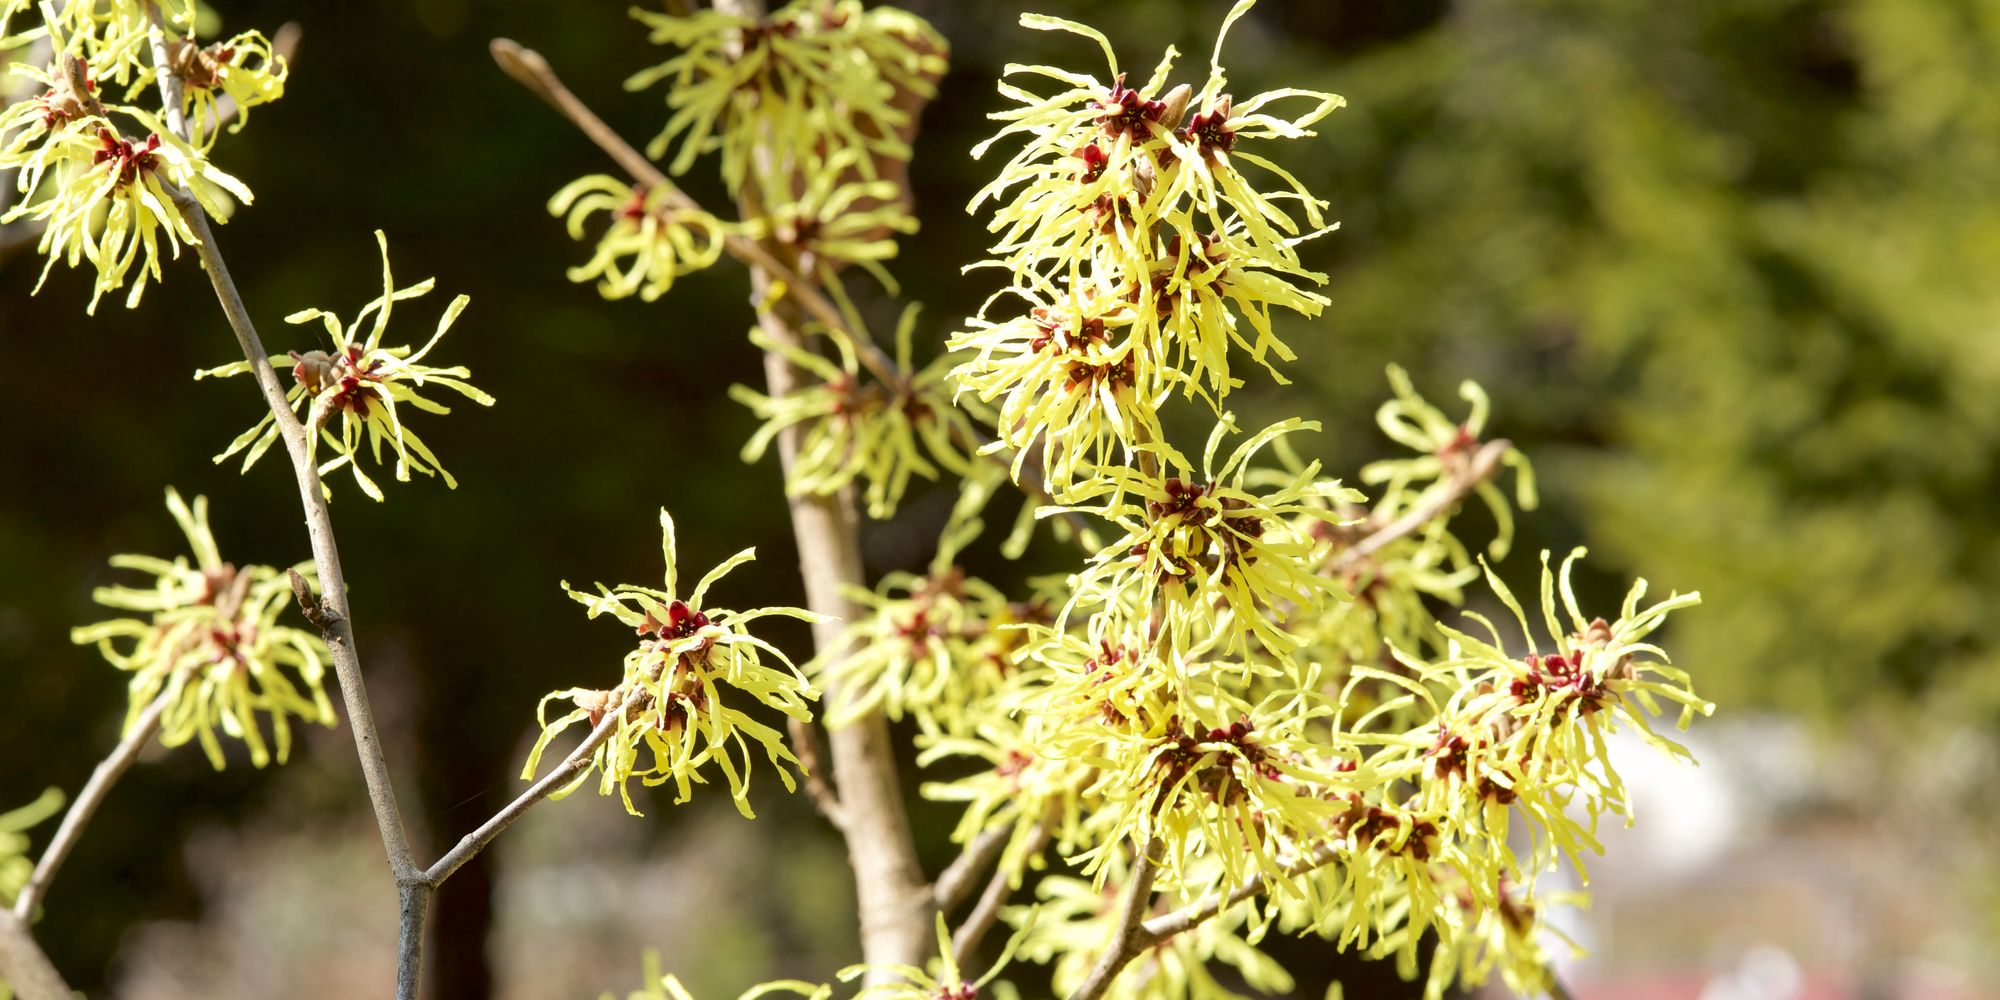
(1727, 266)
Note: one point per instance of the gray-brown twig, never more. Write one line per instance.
(339, 635)
(956, 881)
(548, 784)
(1482, 466)
(24, 966)
(106, 774)
(1130, 936)
(965, 940)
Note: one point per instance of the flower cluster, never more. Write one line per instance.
(830, 213)
(108, 183)
(350, 394)
(810, 109)
(212, 646)
(1145, 255)
(243, 71)
(1218, 562)
(860, 430)
(740, 82)
(669, 704)
(935, 646)
(1248, 682)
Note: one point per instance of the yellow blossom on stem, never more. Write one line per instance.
(648, 243)
(350, 394)
(1219, 562)
(1072, 918)
(942, 981)
(211, 643)
(1444, 449)
(242, 69)
(860, 430)
(1068, 384)
(113, 34)
(1134, 193)
(99, 195)
(833, 214)
(811, 77)
(670, 700)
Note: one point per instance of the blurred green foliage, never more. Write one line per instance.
(1722, 264)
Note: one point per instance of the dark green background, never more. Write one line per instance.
(1726, 267)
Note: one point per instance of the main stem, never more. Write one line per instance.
(891, 893)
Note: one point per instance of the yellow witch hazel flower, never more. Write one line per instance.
(242, 70)
(669, 705)
(1533, 732)
(1446, 449)
(932, 645)
(836, 215)
(360, 383)
(115, 31)
(1221, 561)
(1391, 583)
(1067, 375)
(212, 645)
(862, 431)
(15, 866)
(99, 195)
(1505, 933)
(648, 244)
(741, 81)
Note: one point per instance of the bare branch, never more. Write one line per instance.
(805, 743)
(70, 831)
(339, 629)
(472, 843)
(956, 881)
(24, 966)
(966, 939)
(1167, 925)
(1129, 937)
